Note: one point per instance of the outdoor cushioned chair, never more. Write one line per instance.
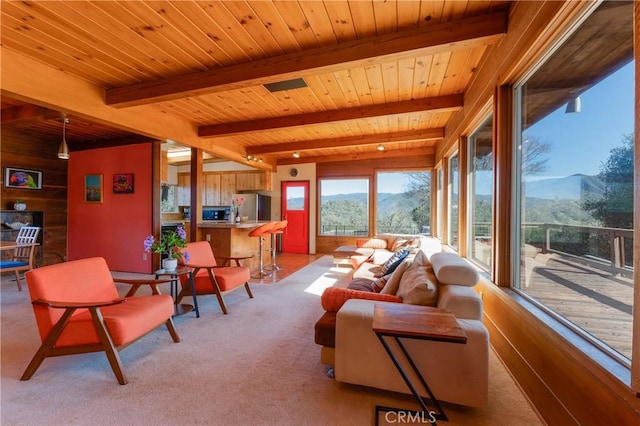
(209, 278)
(78, 310)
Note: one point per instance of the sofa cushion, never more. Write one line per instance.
(418, 286)
(452, 269)
(404, 243)
(462, 301)
(325, 330)
(393, 262)
(345, 252)
(391, 287)
(380, 256)
(374, 243)
(333, 298)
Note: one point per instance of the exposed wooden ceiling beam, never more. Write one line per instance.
(27, 113)
(440, 103)
(28, 80)
(460, 34)
(109, 143)
(417, 135)
(426, 153)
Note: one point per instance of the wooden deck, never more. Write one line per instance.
(592, 299)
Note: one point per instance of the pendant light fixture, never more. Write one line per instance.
(574, 105)
(63, 151)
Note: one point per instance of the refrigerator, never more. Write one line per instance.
(257, 207)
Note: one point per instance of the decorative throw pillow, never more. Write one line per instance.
(393, 262)
(392, 284)
(361, 284)
(419, 286)
(420, 259)
(380, 283)
(333, 298)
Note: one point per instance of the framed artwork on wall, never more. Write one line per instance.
(93, 188)
(123, 183)
(22, 178)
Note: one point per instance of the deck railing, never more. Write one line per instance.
(608, 249)
(615, 240)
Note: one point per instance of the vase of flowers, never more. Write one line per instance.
(19, 205)
(234, 215)
(170, 244)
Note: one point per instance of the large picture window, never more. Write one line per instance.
(481, 194)
(575, 180)
(440, 202)
(403, 202)
(453, 182)
(344, 207)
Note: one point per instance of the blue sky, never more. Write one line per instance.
(582, 141)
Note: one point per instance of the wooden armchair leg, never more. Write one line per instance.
(47, 346)
(172, 330)
(216, 288)
(246, 286)
(223, 306)
(110, 350)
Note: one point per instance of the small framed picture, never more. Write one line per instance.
(22, 178)
(123, 183)
(93, 188)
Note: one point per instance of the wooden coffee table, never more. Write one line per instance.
(402, 321)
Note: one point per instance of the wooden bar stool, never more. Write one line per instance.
(260, 232)
(278, 229)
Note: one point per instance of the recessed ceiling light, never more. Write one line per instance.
(380, 147)
(296, 154)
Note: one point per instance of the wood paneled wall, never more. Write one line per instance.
(23, 152)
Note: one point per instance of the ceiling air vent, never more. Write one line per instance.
(296, 83)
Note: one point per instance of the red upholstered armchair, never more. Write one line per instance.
(209, 278)
(78, 310)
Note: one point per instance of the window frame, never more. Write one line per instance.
(471, 196)
(601, 353)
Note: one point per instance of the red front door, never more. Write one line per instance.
(295, 210)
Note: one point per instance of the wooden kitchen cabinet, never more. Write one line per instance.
(211, 189)
(184, 189)
(253, 181)
(227, 188)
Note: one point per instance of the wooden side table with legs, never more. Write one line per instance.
(402, 321)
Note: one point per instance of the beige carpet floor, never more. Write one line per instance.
(258, 365)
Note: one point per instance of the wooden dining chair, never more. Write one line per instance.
(22, 258)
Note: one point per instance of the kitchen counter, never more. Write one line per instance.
(232, 240)
(227, 224)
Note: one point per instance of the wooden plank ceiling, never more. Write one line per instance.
(387, 73)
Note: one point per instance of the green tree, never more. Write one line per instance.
(615, 208)
(419, 188)
(342, 216)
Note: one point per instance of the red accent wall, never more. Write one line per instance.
(115, 228)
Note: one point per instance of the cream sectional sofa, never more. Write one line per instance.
(456, 373)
